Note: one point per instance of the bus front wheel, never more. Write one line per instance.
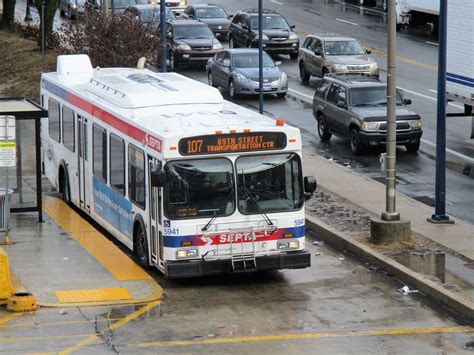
(140, 245)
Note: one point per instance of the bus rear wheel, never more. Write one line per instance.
(140, 246)
(64, 186)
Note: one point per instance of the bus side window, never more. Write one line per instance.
(68, 128)
(54, 120)
(99, 141)
(136, 176)
(117, 163)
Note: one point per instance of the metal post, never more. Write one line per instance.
(112, 7)
(105, 7)
(440, 180)
(163, 68)
(390, 213)
(43, 4)
(260, 57)
(28, 11)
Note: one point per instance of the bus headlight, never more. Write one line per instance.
(186, 253)
(287, 245)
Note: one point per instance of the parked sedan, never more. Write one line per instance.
(236, 70)
(148, 14)
(215, 16)
(190, 42)
(324, 54)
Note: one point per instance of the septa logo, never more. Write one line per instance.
(153, 142)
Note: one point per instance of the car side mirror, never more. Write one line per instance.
(368, 51)
(341, 104)
(230, 17)
(191, 16)
(292, 27)
(407, 101)
(310, 185)
(158, 178)
(278, 62)
(317, 52)
(245, 27)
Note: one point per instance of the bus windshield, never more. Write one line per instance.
(274, 181)
(199, 188)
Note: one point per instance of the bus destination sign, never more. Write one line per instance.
(232, 143)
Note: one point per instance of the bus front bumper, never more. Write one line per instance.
(195, 268)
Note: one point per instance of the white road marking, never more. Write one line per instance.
(432, 43)
(450, 151)
(348, 22)
(434, 91)
(276, 2)
(431, 98)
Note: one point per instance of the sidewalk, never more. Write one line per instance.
(65, 262)
(370, 195)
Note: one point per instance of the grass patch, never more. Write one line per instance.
(21, 66)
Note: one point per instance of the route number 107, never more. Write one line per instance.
(194, 145)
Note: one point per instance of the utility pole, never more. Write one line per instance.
(390, 213)
(105, 7)
(260, 57)
(440, 180)
(163, 67)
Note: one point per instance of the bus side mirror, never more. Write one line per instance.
(158, 178)
(309, 184)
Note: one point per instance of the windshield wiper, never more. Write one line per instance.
(251, 198)
(365, 104)
(209, 224)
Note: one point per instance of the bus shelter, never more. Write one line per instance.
(24, 177)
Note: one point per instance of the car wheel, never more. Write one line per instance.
(325, 72)
(413, 147)
(323, 130)
(294, 55)
(356, 145)
(232, 89)
(304, 75)
(210, 79)
(140, 246)
(281, 95)
(231, 42)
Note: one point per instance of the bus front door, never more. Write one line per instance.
(156, 249)
(82, 155)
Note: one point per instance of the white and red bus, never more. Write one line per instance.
(193, 184)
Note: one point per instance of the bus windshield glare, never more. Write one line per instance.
(205, 187)
(199, 188)
(274, 181)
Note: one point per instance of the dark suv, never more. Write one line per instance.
(215, 16)
(278, 35)
(190, 42)
(356, 107)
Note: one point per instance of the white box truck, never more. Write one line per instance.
(460, 55)
(418, 12)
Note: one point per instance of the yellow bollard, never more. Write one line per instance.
(6, 288)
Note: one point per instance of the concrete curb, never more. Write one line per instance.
(429, 288)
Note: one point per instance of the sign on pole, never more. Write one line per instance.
(7, 141)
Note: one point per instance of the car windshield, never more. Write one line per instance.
(273, 181)
(372, 96)
(210, 12)
(199, 188)
(121, 4)
(153, 15)
(192, 31)
(343, 48)
(250, 60)
(270, 23)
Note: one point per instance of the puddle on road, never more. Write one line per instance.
(426, 262)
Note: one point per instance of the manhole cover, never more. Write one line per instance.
(425, 199)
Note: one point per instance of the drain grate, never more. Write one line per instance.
(380, 179)
(425, 199)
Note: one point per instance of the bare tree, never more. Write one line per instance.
(8, 16)
(50, 7)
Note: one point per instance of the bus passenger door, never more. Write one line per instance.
(82, 156)
(156, 250)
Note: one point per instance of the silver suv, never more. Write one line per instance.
(324, 54)
(355, 106)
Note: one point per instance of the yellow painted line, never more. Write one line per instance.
(93, 295)
(403, 59)
(303, 336)
(9, 317)
(116, 325)
(111, 257)
(45, 324)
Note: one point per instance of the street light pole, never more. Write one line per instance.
(163, 67)
(440, 181)
(390, 213)
(260, 57)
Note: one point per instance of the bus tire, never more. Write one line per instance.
(140, 245)
(64, 185)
